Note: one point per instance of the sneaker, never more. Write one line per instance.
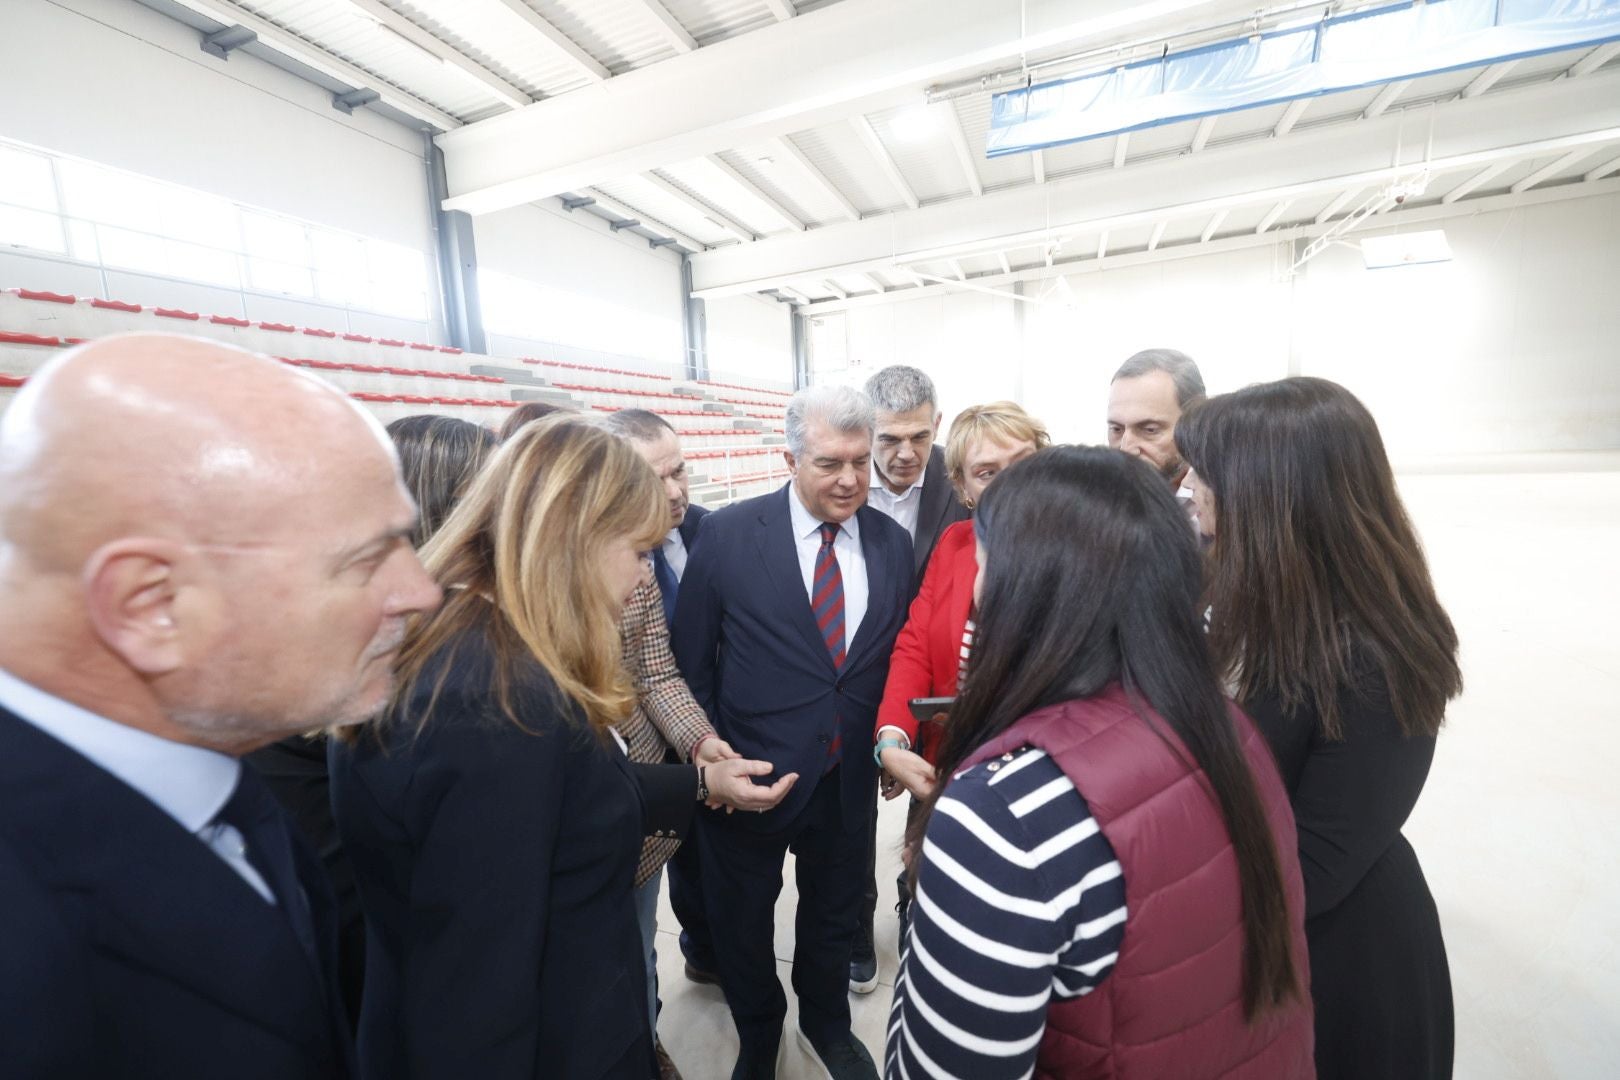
(862, 961)
(842, 1058)
(863, 974)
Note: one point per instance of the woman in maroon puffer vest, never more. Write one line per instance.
(1108, 883)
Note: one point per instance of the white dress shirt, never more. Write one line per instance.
(903, 507)
(189, 783)
(851, 561)
(675, 552)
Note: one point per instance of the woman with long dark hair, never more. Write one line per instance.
(1326, 622)
(1107, 884)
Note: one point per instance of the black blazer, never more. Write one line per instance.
(129, 949)
(938, 509)
(748, 645)
(496, 869)
(690, 525)
(294, 769)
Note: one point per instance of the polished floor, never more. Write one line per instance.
(1519, 826)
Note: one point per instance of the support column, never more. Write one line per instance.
(801, 350)
(695, 326)
(458, 261)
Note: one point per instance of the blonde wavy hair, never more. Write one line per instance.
(519, 559)
(1000, 421)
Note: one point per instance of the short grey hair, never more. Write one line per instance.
(842, 408)
(899, 389)
(637, 425)
(1183, 372)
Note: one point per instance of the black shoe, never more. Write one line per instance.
(841, 1058)
(698, 975)
(700, 965)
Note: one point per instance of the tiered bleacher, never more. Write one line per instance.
(731, 434)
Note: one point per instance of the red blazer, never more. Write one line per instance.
(928, 652)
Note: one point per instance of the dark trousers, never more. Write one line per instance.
(686, 900)
(742, 877)
(869, 894)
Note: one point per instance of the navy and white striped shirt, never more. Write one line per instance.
(1019, 898)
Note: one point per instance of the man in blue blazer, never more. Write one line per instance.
(788, 612)
(201, 551)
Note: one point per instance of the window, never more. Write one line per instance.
(28, 202)
(128, 222)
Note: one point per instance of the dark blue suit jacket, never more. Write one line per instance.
(130, 949)
(496, 866)
(690, 524)
(748, 645)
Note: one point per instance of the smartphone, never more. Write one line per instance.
(924, 708)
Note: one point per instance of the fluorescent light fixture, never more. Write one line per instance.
(1405, 249)
(915, 124)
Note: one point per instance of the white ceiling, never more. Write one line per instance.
(789, 147)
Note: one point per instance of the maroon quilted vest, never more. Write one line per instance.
(1173, 1004)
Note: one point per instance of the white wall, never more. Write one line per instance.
(618, 297)
(1509, 348)
(968, 343)
(750, 337)
(116, 83)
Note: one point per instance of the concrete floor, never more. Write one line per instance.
(1519, 827)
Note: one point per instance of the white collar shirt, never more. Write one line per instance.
(191, 784)
(903, 508)
(851, 561)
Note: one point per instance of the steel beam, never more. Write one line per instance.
(852, 57)
(1521, 123)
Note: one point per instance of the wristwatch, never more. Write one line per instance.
(703, 785)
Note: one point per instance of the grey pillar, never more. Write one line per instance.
(695, 326)
(458, 261)
(801, 351)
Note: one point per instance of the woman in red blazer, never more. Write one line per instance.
(933, 645)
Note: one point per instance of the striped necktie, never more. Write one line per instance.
(827, 604)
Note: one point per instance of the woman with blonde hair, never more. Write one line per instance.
(492, 817)
(933, 646)
(932, 649)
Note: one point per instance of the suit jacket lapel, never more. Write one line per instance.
(778, 547)
(878, 607)
(151, 892)
(936, 497)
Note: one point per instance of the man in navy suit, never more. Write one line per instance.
(788, 611)
(660, 446)
(201, 551)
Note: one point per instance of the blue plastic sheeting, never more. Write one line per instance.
(1362, 49)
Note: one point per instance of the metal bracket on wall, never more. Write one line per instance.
(630, 223)
(662, 241)
(575, 204)
(222, 43)
(347, 103)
